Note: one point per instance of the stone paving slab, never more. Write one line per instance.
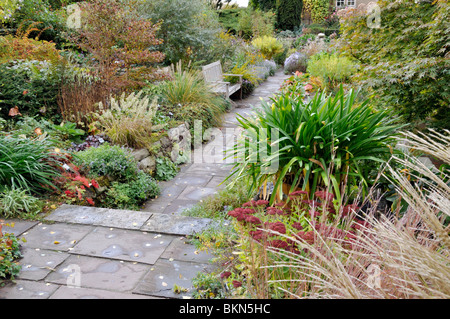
(162, 278)
(157, 205)
(25, 289)
(191, 180)
(99, 273)
(178, 206)
(128, 245)
(216, 182)
(175, 225)
(65, 292)
(209, 169)
(57, 236)
(197, 193)
(180, 249)
(171, 191)
(20, 226)
(99, 216)
(38, 263)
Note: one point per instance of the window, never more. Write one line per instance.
(351, 3)
(340, 3)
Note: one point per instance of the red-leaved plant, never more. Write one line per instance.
(76, 188)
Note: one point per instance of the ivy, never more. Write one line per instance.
(319, 9)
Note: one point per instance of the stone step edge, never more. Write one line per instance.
(129, 219)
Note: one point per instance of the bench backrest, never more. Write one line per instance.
(212, 72)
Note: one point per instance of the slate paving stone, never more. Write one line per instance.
(191, 180)
(216, 181)
(157, 205)
(25, 289)
(162, 278)
(209, 169)
(197, 193)
(77, 214)
(171, 191)
(180, 249)
(67, 292)
(176, 225)
(122, 244)
(99, 273)
(177, 207)
(126, 219)
(99, 216)
(37, 264)
(58, 236)
(20, 226)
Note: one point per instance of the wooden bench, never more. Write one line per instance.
(212, 73)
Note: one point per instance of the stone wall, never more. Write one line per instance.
(175, 144)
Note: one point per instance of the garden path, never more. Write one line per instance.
(86, 252)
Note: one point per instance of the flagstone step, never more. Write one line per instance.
(128, 219)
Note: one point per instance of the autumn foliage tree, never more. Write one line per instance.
(120, 43)
(405, 61)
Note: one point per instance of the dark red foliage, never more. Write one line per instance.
(253, 220)
(257, 235)
(278, 243)
(225, 274)
(251, 203)
(324, 195)
(307, 236)
(312, 203)
(297, 226)
(274, 211)
(262, 202)
(297, 194)
(348, 209)
(276, 226)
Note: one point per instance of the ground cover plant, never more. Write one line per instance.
(9, 253)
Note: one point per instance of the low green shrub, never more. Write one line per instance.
(332, 69)
(132, 194)
(31, 86)
(268, 45)
(112, 161)
(303, 39)
(165, 169)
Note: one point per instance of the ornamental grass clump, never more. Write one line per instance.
(327, 142)
(28, 164)
(128, 120)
